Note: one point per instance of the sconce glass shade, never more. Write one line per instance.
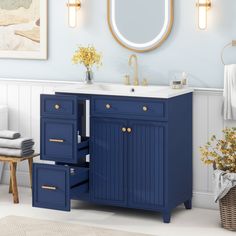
(73, 7)
(203, 7)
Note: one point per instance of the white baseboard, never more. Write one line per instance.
(204, 200)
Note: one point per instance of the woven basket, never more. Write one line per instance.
(228, 210)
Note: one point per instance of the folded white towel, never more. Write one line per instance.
(16, 152)
(20, 143)
(223, 182)
(230, 92)
(8, 134)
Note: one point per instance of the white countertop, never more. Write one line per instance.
(124, 90)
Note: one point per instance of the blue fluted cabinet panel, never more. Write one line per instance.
(108, 162)
(145, 164)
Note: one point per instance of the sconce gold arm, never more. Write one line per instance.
(208, 4)
(77, 5)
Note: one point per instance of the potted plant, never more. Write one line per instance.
(88, 56)
(221, 153)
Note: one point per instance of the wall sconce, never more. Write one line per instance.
(203, 7)
(73, 7)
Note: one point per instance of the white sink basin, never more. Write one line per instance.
(124, 90)
(118, 88)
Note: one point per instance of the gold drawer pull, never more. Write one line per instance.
(129, 130)
(49, 187)
(57, 106)
(124, 129)
(56, 140)
(108, 106)
(145, 108)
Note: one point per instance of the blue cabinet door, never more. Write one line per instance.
(108, 161)
(146, 165)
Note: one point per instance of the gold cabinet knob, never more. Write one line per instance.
(145, 108)
(123, 129)
(129, 130)
(108, 106)
(57, 107)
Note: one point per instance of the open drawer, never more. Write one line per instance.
(55, 185)
(83, 147)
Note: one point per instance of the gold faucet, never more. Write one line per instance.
(135, 59)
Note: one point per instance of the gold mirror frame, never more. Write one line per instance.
(155, 45)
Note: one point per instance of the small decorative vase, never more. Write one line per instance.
(89, 76)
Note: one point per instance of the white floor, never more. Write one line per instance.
(194, 222)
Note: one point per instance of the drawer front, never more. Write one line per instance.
(138, 108)
(51, 187)
(60, 106)
(55, 185)
(59, 140)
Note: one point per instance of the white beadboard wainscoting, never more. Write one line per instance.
(23, 101)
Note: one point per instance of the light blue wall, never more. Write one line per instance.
(187, 48)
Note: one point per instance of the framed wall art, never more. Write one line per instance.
(23, 29)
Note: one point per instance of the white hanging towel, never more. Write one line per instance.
(230, 92)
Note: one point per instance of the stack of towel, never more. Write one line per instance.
(11, 144)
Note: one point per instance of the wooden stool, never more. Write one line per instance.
(13, 161)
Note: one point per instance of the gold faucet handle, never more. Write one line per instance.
(136, 83)
(127, 80)
(145, 82)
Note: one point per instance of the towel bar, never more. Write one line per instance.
(233, 44)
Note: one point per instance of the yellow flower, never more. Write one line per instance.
(88, 56)
(221, 153)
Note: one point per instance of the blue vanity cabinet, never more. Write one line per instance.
(140, 152)
(108, 161)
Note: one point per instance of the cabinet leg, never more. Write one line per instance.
(188, 204)
(166, 216)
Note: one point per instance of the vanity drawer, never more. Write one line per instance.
(58, 106)
(59, 140)
(136, 108)
(54, 186)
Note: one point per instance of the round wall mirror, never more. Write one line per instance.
(140, 25)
